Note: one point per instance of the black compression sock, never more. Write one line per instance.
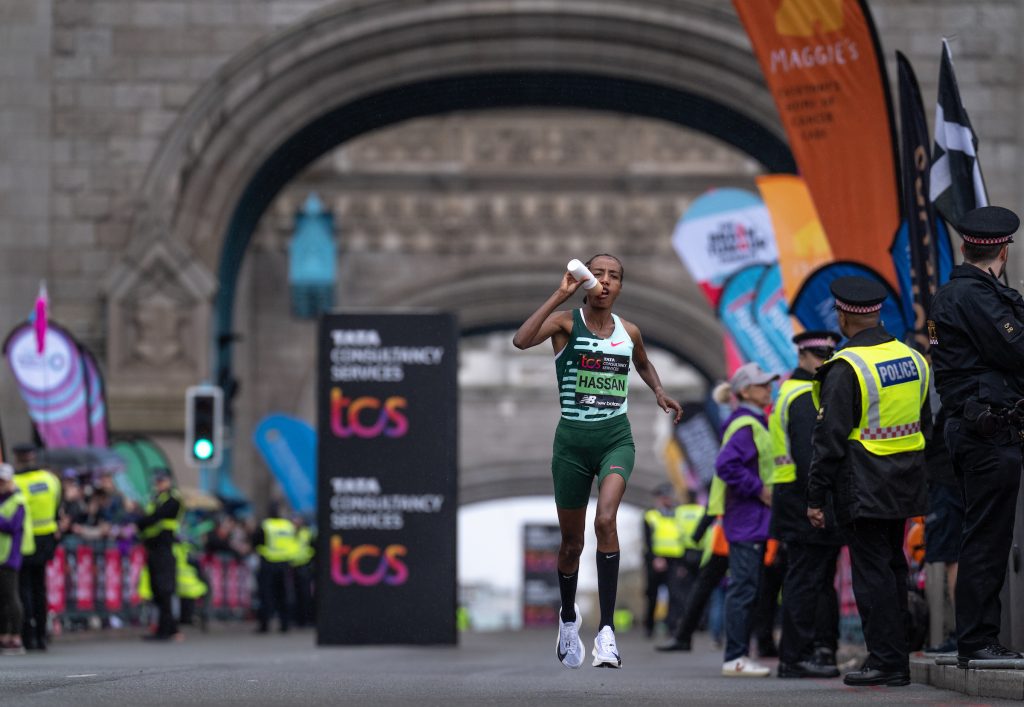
(567, 588)
(607, 586)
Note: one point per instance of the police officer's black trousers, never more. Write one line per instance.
(273, 586)
(674, 578)
(762, 622)
(989, 475)
(303, 582)
(880, 587)
(709, 577)
(32, 588)
(163, 581)
(808, 601)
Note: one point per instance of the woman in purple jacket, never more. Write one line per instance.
(741, 494)
(12, 532)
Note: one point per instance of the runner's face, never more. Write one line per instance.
(609, 273)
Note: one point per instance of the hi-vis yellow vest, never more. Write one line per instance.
(7, 510)
(689, 516)
(666, 535)
(778, 428)
(42, 492)
(171, 524)
(304, 551)
(765, 460)
(279, 544)
(189, 584)
(893, 382)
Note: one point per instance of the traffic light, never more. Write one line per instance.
(204, 425)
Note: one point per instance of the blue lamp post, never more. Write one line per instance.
(312, 269)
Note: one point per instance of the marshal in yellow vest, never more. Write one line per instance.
(765, 460)
(778, 428)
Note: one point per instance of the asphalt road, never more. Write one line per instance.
(231, 666)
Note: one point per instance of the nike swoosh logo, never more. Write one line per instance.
(611, 557)
(615, 467)
(616, 343)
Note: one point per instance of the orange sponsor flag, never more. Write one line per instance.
(820, 61)
(802, 244)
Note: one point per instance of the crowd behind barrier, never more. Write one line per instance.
(96, 583)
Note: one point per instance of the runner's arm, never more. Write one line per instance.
(649, 374)
(546, 322)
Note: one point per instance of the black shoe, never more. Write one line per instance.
(807, 669)
(993, 651)
(824, 656)
(873, 676)
(675, 645)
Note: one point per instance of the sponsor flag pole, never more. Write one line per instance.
(922, 255)
(957, 185)
(821, 62)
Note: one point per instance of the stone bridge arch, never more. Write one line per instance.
(357, 66)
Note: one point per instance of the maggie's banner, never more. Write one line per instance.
(820, 61)
(386, 478)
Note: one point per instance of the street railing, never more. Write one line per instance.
(96, 583)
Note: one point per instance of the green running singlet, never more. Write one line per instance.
(593, 438)
(593, 373)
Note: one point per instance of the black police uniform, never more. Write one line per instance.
(873, 496)
(976, 327)
(810, 607)
(161, 563)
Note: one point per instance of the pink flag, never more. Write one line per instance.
(39, 318)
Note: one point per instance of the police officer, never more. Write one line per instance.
(811, 552)
(276, 545)
(42, 492)
(868, 451)
(977, 347)
(663, 543)
(159, 528)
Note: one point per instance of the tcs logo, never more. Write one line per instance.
(367, 417)
(592, 363)
(367, 565)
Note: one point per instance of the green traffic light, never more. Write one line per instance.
(202, 449)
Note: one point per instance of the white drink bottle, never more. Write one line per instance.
(582, 274)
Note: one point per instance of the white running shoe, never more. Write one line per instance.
(606, 653)
(744, 667)
(568, 646)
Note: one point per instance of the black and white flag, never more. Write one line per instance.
(956, 182)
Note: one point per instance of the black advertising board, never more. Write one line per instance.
(541, 597)
(386, 478)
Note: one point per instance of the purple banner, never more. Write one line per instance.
(52, 383)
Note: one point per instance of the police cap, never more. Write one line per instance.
(858, 295)
(988, 225)
(816, 340)
(161, 472)
(24, 448)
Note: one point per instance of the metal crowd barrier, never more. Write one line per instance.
(92, 583)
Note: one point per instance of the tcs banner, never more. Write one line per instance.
(386, 478)
(820, 62)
